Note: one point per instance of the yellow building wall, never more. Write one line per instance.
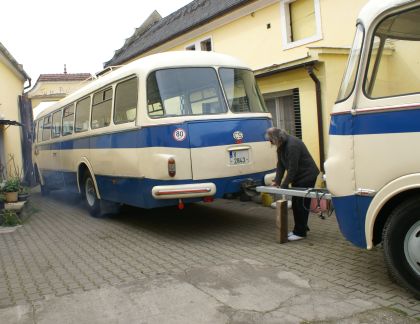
(11, 88)
(249, 39)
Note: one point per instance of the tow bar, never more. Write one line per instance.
(281, 205)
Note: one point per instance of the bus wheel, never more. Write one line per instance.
(91, 197)
(401, 241)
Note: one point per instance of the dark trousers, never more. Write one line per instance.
(300, 208)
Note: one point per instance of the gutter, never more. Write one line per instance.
(310, 70)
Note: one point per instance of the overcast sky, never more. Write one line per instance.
(83, 34)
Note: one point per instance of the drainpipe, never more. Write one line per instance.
(310, 70)
(29, 85)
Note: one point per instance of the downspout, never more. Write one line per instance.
(310, 70)
(28, 86)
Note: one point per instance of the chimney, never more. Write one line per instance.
(65, 69)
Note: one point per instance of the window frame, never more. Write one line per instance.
(62, 119)
(221, 93)
(286, 28)
(43, 125)
(115, 86)
(197, 45)
(60, 112)
(103, 90)
(368, 59)
(75, 114)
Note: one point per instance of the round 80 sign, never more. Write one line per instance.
(179, 134)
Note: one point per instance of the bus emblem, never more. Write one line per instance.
(238, 135)
(179, 134)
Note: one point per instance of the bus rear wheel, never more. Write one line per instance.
(91, 198)
(401, 241)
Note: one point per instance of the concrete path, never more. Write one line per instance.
(237, 292)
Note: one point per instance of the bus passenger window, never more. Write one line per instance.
(46, 128)
(82, 115)
(68, 120)
(101, 109)
(125, 101)
(56, 124)
(39, 131)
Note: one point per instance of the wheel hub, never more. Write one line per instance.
(412, 247)
(90, 192)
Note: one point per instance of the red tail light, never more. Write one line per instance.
(171, 167)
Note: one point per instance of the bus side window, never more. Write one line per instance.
(46, 128)
(56, 124)
(68, 120)
(394, 66)
(125, 106)
(101, 109)
(38, 130)
(82, 115)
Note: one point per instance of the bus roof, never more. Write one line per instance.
(374, 8)
(147, 64)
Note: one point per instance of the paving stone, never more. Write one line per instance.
(62, 250)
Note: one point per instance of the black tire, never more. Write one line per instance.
(90, 196)
(401, 238)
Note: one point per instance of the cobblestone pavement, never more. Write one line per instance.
(61, 250)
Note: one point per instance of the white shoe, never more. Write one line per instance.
(290, 234)
(294, 237)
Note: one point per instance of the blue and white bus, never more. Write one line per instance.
(167, 129)
(373, 165)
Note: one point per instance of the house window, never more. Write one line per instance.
(202, 45)
(301, 22)
(285, 111)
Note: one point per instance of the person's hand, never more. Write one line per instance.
(274, 184)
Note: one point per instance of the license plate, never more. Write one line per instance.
(239, 157)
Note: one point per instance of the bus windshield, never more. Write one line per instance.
(349, 79)
(241, 91)
(184, 92)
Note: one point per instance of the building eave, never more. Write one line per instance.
(284, 67)
(16, 67)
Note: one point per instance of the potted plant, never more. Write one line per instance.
(11, 189)
(23, 193)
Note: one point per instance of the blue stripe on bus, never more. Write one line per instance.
(138, 192)
(384, 122)
(351, 215)
(201, 133)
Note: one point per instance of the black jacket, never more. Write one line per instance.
(294, 157)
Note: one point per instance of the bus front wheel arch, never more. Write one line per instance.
(401, 242)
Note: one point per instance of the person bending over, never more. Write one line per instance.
(302, 171)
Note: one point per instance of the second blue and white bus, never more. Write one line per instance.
(373, 165)
(167, 129)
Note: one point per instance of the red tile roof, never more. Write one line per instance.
(64, 77)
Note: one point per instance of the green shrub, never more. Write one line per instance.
(10, 218)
